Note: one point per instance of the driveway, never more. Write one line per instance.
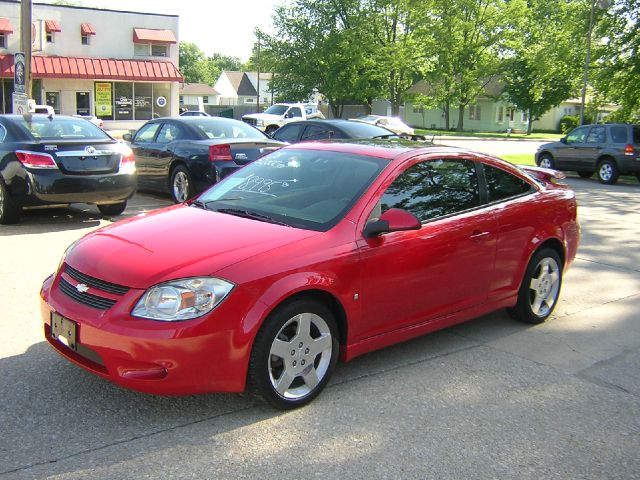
(491, 398)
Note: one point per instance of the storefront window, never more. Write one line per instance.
(143, 94)
(124, 101)
(161, 100)
(53, 100)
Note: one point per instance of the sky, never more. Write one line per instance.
(216, 26)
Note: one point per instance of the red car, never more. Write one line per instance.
(314, 252)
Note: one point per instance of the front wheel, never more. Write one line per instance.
(540, 288)
(608, 172)
(112, 209)
(181, 185)
(546, 161)
(294, 354)
(9, 211)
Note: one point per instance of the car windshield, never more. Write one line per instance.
(45, 128)
(368, 118)
(309, 189)
(276, 109)
(224, 128)
(364, 130)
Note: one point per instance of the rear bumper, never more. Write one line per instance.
(52, 186)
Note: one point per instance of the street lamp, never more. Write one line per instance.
(602, 5)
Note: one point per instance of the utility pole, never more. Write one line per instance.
(26, 41)
(602, 5)
(258, 62)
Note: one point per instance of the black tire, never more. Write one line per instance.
(546, 161)
(608, 172)
(318, 349)
(112, 209)
(9, 211)
(271, 129)
(540, 288)
(586, 174)
(180, 185)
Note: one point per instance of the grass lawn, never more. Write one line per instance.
(535, 136)
(520, 158)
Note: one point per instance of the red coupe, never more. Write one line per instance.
(315, 252)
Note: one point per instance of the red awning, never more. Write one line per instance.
(5, 25)
(96, 69)
(87, 29)
(52, 26)
(146, 35)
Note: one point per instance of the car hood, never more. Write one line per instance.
(550, 145)
(177, 242)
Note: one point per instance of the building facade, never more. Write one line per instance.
(120, 66)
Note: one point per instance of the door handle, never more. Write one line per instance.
(478, 236)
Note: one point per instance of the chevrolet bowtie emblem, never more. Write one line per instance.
(82, 288)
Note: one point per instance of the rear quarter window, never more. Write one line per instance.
(636, 134)
(502, 185)
(618, 134)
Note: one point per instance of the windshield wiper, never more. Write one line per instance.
(199, 204)
(252, 215)
(387, 135)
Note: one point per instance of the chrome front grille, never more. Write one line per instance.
(85, 298)
(250, 121)
(79, 291)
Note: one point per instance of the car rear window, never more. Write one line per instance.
(54, 127)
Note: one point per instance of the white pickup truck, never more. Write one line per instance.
(280, 113)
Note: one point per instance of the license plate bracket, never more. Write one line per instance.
(64, 330)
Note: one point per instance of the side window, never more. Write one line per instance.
(596, 135)
(434, 188)
(618, 134)
(578, 135)
(288, 133)
(314, 132)
(169, 133)
(501, 184)
(3, 133)
(146, 133)
(295, 112)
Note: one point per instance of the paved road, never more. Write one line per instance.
(488, 399)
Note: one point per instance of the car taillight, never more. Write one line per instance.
(219, 153)
(36, 160)
(127, 161)
(628, 150)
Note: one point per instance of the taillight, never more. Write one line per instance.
(36, 160)
(127, 160)
(219, 153)
(628, 150)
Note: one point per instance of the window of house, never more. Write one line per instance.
(418, 109)
(205, 99)
(525, 117)
(500, 114)
(474, 112)
(3, 40)
(159, 50)
(250, 100)
(141, 49)
(49, 37)
(84, 39)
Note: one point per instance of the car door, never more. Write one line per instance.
(142, 145)
(411, 277)
(162, 154)
(589, 153)
(568, 154)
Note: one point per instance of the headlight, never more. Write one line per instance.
(182, 299)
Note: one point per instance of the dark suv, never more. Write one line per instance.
(607, 149)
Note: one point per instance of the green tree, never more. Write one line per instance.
(545, 55)
(193, 64)
(616, 66)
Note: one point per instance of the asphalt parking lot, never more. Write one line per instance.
(491, 398)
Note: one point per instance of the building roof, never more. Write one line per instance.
(197, 89)
(241, 83)
(95, 68)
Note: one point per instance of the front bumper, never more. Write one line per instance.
(207, 354)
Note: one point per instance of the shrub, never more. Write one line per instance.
(568, 123)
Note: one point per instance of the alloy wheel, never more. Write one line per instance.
(180, 186)
(544, 286)
(606, 172)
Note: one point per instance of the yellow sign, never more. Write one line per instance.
(103, 100)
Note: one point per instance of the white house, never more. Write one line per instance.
(120, 66)
(241, 88)
(196, 96)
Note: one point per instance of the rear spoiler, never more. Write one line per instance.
(548, 175)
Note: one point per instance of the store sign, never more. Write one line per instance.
(20, 105)
(103, 100)
(19, 73)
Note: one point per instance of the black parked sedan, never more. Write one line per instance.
(186, 155)
(55, 159)
(308, 130)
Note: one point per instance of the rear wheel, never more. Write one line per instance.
(540, 287)
(181, 185)
(546, 161)
(608, 172)
(9, 211)
(112, 209)
(294, 354)
(586, 174)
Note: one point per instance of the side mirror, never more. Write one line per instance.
(393, 220)
(127, 137)
(563, 140)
